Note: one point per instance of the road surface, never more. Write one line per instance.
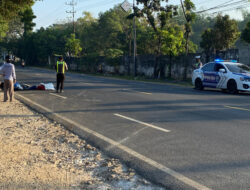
(173, 135)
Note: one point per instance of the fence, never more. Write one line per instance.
(145, 64)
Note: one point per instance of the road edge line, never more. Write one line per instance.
(133, 153)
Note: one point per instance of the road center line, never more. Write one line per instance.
(133, 153)
(58, 95)
(237, 108)
(143, 123)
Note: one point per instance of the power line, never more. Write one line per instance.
(60, 11)
(52, 13)
(99, 4)
(73, 12)
(246, 5)
(223, 5)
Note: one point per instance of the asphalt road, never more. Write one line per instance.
(175, 136)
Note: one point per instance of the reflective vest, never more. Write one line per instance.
(60, 67)
(198, 65)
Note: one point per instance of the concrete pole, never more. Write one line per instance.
(134, 29)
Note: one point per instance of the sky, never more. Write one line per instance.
(49, 12)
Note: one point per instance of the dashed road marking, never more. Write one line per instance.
(63, 97)
(237, 108)
(147, 93)
(133, 153)
(127, 138)
(143, 123)
(87, 83)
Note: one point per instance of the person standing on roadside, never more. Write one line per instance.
(9, 75)
(198, 64)
(61, 66)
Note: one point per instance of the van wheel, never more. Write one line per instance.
(198, 84)
(232, 87)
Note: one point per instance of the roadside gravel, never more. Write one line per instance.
(37, 153)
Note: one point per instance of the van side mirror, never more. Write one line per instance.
(222, 70)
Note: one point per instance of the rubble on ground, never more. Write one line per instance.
(39, 154)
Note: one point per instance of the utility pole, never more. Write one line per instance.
(73, 12)
(185, 15)
(126, 6)
(134, 28)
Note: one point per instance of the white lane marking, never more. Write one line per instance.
(147, 93)
(143, 158)
(129, 90)
(92, 100)
(127, 138)
(87, 83)
(143, 123)
(237, 108)
(63, 97)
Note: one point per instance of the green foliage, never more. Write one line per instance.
(73, 46)
(112, 56)
(27, 19)
(9, 10)
(246, 17)
(222, 36)
(246, 33)
(189, 5)
(207, 43)
(157, 12)
(115, 30)
(113, 53)
(201, 23)
(188, 11)
(3, 28)
(172, 41)
(227, 32)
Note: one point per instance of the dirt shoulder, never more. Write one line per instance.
(36, 153)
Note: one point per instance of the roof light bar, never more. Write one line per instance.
(221, 60)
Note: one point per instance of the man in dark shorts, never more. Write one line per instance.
(61, 67)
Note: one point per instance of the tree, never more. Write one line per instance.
(9, 10)
(246, 17)
(87, 29)
(208, 42)
(114, 31)
(201, 23)
(73, 46)
(227, 32)
(27, 17)
(222, 36)
(188, 9)
(157, 13)
(173, 45)
(246, 33)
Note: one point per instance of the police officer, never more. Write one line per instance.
(61, 66)
(198, 63)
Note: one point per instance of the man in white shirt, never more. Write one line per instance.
(9, 76)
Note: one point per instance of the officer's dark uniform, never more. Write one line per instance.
(61, 66)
